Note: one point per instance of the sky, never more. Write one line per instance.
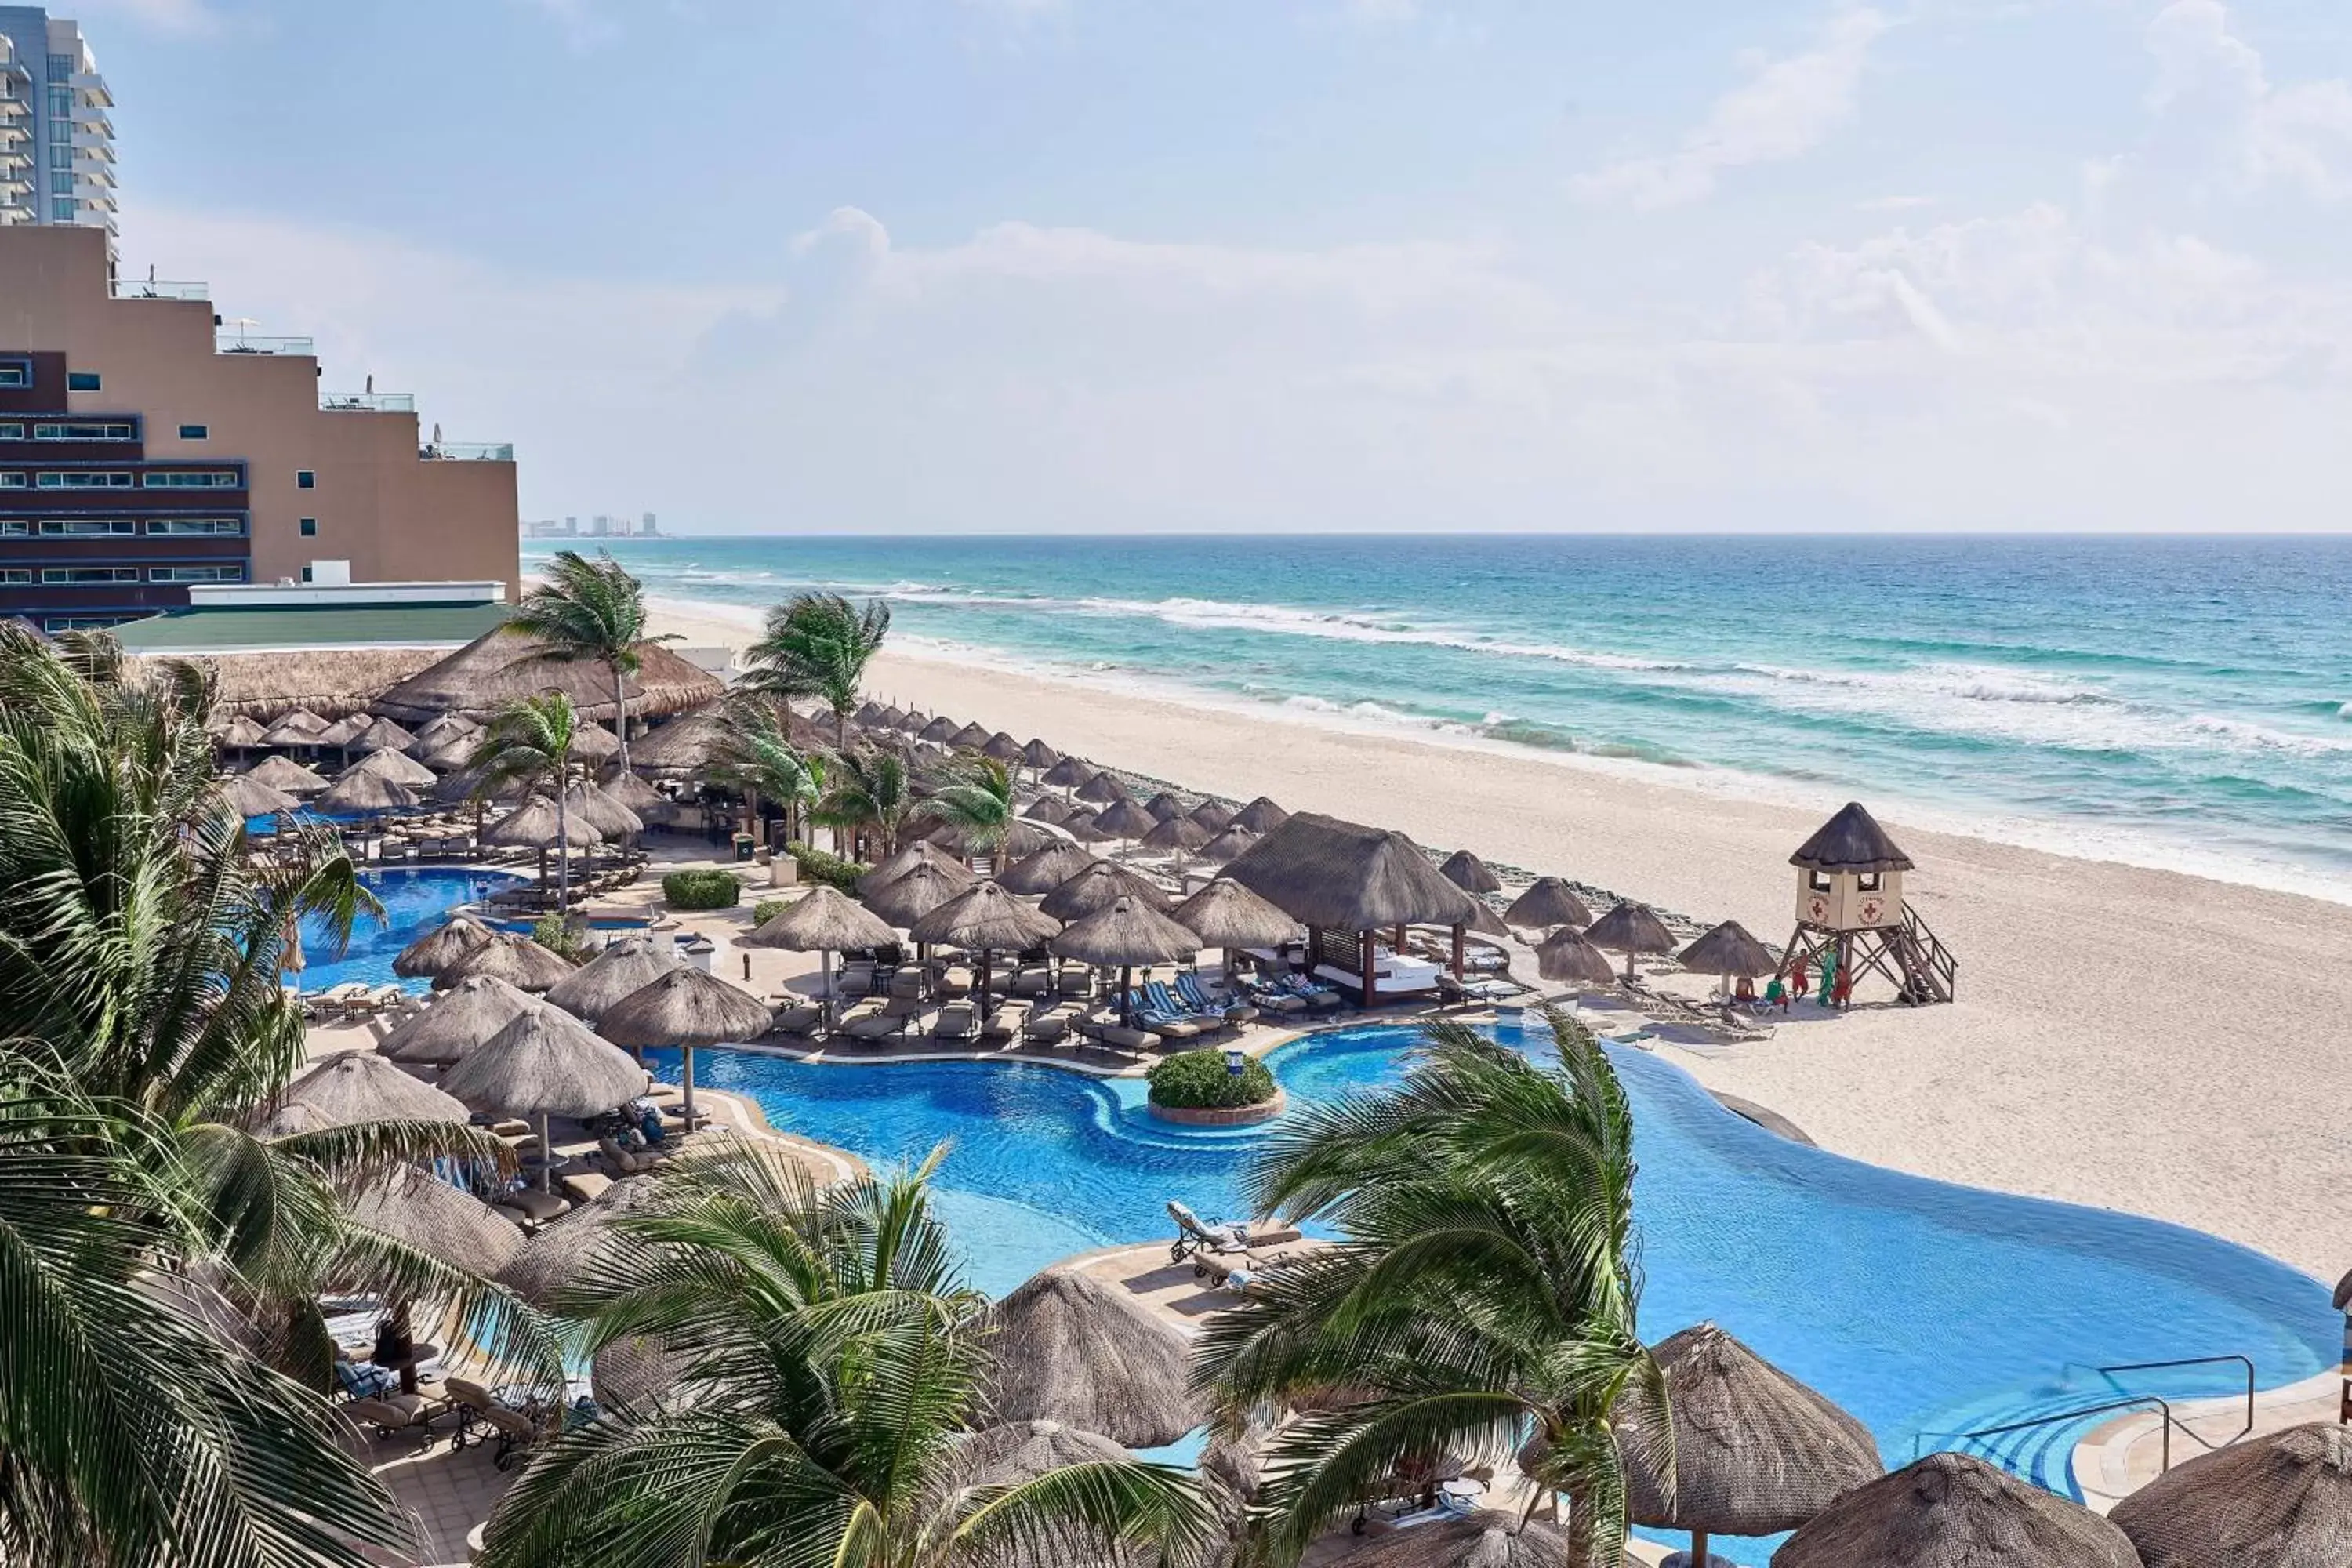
(1098, 265)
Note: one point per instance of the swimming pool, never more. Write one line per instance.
(1925, 1308)
(415, 900)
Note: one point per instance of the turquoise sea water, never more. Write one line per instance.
(2168, 701)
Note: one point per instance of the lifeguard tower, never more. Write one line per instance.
(1852, 918)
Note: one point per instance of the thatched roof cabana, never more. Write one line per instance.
(868, 714)
(242, 733)
(1343, 876)
(1099, 886)
(1729, 950)
(449, 727)
(917, 891)
(940, 731)
(683, 747)
(970, 737)
(1164, 806)
(338, 682)
(451, 753)
(1127, 934)
(1469, 873)
(1485, 1539)
(382, 735)
(1566, 955)
(1179, 835)
(1851, 841)
(545, 1063)
(1227, 915)
(392, 765)
(1756, 1452)
(342, 733)
(505, 955)
(412, 1205)
(295, 727)
(1003, 747)
(561, 1252)
(501, 666)
(248, 796)
(1631, 929)
(455, 1021)
(1073, 1349)
(1102, 788)
(365, 794)
(1048, 808)
(594, 805)
(1261, 815)
(1041, 872)
(285, 774)
(1548, 902)
(626, 965)
(351, 1086)
(1954, 1511)
(1067, 774)
(1080, 824)
(1229, 845)
(2280, 1500)
(1018, 838)
(624, 786)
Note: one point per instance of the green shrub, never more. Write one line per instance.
(1197, 1080)
(557, 934)
(767, 910)
(816, 866)
(702, 889)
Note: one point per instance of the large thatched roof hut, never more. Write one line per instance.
(1344, 881)
(1073, 1349)
(499, 666)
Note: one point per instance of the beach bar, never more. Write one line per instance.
(1349, 886)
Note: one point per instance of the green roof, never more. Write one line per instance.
(311, 626)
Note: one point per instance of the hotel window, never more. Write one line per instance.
(109, 430)
(211, 479)
(12, 431)
(82, 380)
(309, 527)
(196, 574)
(1867, 882)
(15, 528)
(90, 480)
(61, 210)
(16, 574)
(88, 527)
(15, 373)
(304, 479)
(195, 432)
(88, 576)
(195, 527)
(60, 183)
(11, 482)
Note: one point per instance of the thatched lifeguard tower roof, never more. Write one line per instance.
(501, 667)
(1851, 841)
(1344, 876)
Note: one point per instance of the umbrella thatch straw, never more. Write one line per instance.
(1485, 1539)
(1729, 950)
(917, 891)
(441, 948)
(2280, 1500)
(596, 808)
(1074, 1349)
(457, 1020)
(1631, 929)
(1080, 825)
(563, 1251)
(635, 1369)
(1343, 876)
(1755, 1451)
(985, 917)
(534, 824)
(1851, 841)
(940, 731)
(1003, 747)
(1955, 1510)
(686, 1006)
(1469, 873)
(1098, 887)
(919, 852)
(868, 714)
(823, 920)
(1067, 774)
(624, 786)
(1229, 845)
(1566, 955)
(1125, 819)
(248, 796)
(1127, 934)
(1017, 838)
(683, 747)
(1048, 869)
(504, 955)
(1102, 789)
(299, 727)
(382, 735)
(451, 754)
(970, 737)
(913, 722)
(1164, 806)
(595, 744)
(342, 733)
(357, 794)
(412, 1205)
(1228, 916)
(441, 730)
(1023, 1450)
(1179, 833)
(625, 966)
(1048, 808)
(501, 667)
(243, 733)
(285, 774)
(352, 1087)
(392, 765)
(1214, 815)
(1037, 755)
(1261, 815)
(1548, 902)
(546, 1062)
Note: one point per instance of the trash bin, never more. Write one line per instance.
(743, 847)
(784, 872)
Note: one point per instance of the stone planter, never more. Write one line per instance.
(1222, 1116)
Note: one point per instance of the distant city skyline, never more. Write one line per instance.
(1380, 264)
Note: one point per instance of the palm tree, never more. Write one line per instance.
(1485, 1294)
(828, 1364)
(758, 757)
(528, 741)
(591, 610)
(818, 645)
(868, 790)
(973, 795)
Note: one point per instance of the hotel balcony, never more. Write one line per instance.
(467, 451)
(155, 289)
(368, 402)
(246, 344)
(92, 143)
(94, 86)
(93, 172)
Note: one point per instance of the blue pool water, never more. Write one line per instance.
(1925, 1308)
(415, 900)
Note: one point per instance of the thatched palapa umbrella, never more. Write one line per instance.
(1017, 838)
(1755, 1451)
(562, 1251)
(299, 727)
(918, 891)
(1566, 955)
(595, 744)
(342, 734)
(2280, 1500)
(1727, 952)
(1164, 806)
(1067, 774)
(546, 1062)
(684, 746)
(940, 731)
(1099, 886)
(451, 754)
(1178, 836)
(1214, 815)
(1231, 917)
(382, 735)
(349, 1087)
(919, 852)
(1127, 933)
(441, 948)
(1023, 1450)
(1484, 1539)
(1048, 808)
(625, 966)
(1954, 1511)
(986, 920)
(440, 731)
(1261, 815)
(1040, 873)
(1003, 747)
(868, 714)
(248, 796)
(970, 737)
(1102, 789)
(537, 824)
(504, 955)
(825, 922)
(414, 1206)
(625, 787)
(287, 775)
(1037, 755)
(1071, 1348)
(365, 794)
(1548, 902)
(392, 765)
(596, 808)
(1229, 845)
(687, 1007)
(243, 733)
(457, 1020)
(1470, 874)
(1080, 825)
(1631, 929)
(1123, 819)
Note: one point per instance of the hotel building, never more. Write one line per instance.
(56, 145)
(142, 450)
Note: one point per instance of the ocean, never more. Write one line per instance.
(2178, 703)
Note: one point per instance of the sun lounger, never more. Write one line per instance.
(585, 1186)
(956, 1024)
(1046, 1028)
(1189, 987)
(1173, 1025)
(484, 1417)
(1005, 1023)
(1118, 1035)
(1163, 1000)
(396, 1414)
(878, 1023)
(798, 1019)
(1195, 1236)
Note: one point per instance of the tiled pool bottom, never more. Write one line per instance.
(1927, 1309)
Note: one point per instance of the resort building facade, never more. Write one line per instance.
(57, 144)
(144, 450)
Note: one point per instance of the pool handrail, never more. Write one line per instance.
(2164, 1427)
(2246, 1361)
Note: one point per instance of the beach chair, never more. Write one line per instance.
(396, 1414)
(1163, 1000)
(1188, 986)
(956, 1024)
(1046, 1028)
(484, 1419)
(1168, 1024)
(1004, 1023)
(800, 1018)
(1118, 1035)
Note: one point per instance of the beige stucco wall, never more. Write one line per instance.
(393, 515)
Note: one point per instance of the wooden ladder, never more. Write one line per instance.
(1930, 972)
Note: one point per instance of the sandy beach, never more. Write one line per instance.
(2129, 1039)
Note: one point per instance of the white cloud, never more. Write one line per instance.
(2299, 135)
(1785, 109)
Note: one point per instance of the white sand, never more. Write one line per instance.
(2129, 1039)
